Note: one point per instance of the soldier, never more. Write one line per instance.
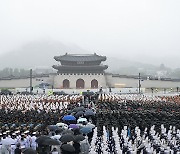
(33, 141)
(13, 143)
(23, 142)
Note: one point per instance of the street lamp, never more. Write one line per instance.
(31, 88)
(164, 90)
(139, 84)
(152, 90)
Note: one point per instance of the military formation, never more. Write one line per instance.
(138, 124)
(101, 123)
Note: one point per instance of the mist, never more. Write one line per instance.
(142, 31)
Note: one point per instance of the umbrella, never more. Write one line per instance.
(53, 127)
(80, 125)
(73, 113)
(68, 147)
(29, 151)
(69, 111)
(62, 125)
(89, 112)
(67, 138)
(81, 120)
(56, 137)
(74, 126)
(67, 131)
(68, 118)
(59, 130)
(37, 127)
(79, 113)
(78, 138)
(86, 130)
(90, 125)
(41, 139)
(76, 109)
(50, 142)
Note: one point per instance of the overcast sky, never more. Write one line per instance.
(140, 30)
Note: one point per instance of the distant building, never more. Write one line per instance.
(73, 63)
(80, 71)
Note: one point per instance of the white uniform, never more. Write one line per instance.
(28, 141)
(18, 138)
(6, 146)
(33, 142)
(23, 143)
(13, 145)
(0, 144)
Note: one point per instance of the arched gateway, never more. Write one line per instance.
(84, 67)
(94, 83)
(66, 84)
(80, 84)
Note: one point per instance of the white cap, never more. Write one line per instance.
(17, 131)
(26, 132)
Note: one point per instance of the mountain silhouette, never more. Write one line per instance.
(40, 54)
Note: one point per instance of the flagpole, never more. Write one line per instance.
(30, 81)
(139, 83)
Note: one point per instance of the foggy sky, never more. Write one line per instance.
(139, 30)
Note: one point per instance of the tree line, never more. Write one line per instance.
(16, 72)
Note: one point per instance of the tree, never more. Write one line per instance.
(16, 72)
(162, 67)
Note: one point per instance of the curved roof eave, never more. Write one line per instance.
(73, 57)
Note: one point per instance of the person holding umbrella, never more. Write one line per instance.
(18, 149)
(67, 149)
(76, 144)
(67, 138)
(69, 119)
(84, 145)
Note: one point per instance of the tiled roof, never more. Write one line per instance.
(80, 57)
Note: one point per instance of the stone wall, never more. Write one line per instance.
(104, 81)
(133, 83)
(58, 80)
(24, 83)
